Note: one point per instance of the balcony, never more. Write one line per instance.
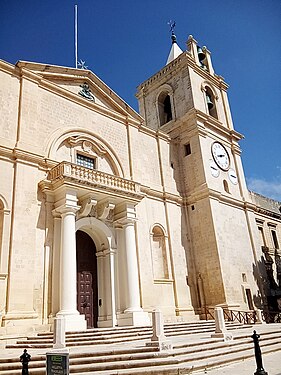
(92, 179)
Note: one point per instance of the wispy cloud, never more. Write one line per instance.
(271, 189)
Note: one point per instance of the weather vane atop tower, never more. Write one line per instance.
(172, 25)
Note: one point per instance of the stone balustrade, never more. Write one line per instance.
(69, 170)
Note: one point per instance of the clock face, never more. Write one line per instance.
(220, 156)
(214, 169)
(233, 176)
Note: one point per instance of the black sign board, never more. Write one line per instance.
(57, 363)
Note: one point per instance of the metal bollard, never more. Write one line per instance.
(25, 358)
(260, 370)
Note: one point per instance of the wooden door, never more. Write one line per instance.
(87, 287)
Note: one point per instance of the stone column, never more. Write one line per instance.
(107, 311)
(133, 294)
(112, 261)
(129, 293)
(68, 271)
(56, 265)
(120, 270)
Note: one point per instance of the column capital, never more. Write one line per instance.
(121, 223)
(125, 213)
(66, 209)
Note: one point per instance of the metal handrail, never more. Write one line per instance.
(271, 316)
(245, 317)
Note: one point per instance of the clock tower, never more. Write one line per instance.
(188, 101)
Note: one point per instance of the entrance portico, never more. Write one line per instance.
(108, 218)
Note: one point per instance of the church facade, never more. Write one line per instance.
(107, 214)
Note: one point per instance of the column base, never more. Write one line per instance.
(133, 318)
(73, 321)
(105, 322)
(227, 336)
(160, 344)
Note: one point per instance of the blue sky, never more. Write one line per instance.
(125, 42)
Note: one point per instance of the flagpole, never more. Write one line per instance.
(76, 47)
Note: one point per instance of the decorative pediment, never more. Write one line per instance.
(88, 145)
(81, 85)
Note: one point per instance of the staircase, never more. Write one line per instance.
(122, 350)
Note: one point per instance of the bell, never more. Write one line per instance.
(209, 102)
(201, 54)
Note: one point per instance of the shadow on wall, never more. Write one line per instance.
(269, 282)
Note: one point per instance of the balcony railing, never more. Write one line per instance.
(92, 176)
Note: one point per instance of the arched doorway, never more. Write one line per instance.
(87, 285)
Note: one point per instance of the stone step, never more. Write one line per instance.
(93, 337)
(141, 360)
(189, 368)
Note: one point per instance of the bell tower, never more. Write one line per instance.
(188, 101)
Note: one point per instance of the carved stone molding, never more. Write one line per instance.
(103, 209)
(86, 207)
(87, 145)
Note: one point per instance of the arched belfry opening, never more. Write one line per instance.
(211, 103)
(164, 108)
(87, 278)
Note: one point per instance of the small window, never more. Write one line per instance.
(225, 186)
(187, 149)
(274, 239)
(85, 161)
(262, 237)
(244, 278)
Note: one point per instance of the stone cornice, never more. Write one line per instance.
(9, 68)
(161, 195)
(205, 192)
(185, 59)
(268, 213)
(154, 133)
(17, 154)
(201, 123)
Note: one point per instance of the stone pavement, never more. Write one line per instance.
(271, 363)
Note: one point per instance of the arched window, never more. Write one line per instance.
(159, 254)
(164, 108)
(211, 102)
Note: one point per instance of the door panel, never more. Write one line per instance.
(87, 287)
(85, 296)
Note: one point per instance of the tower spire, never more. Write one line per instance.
(175, 49)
